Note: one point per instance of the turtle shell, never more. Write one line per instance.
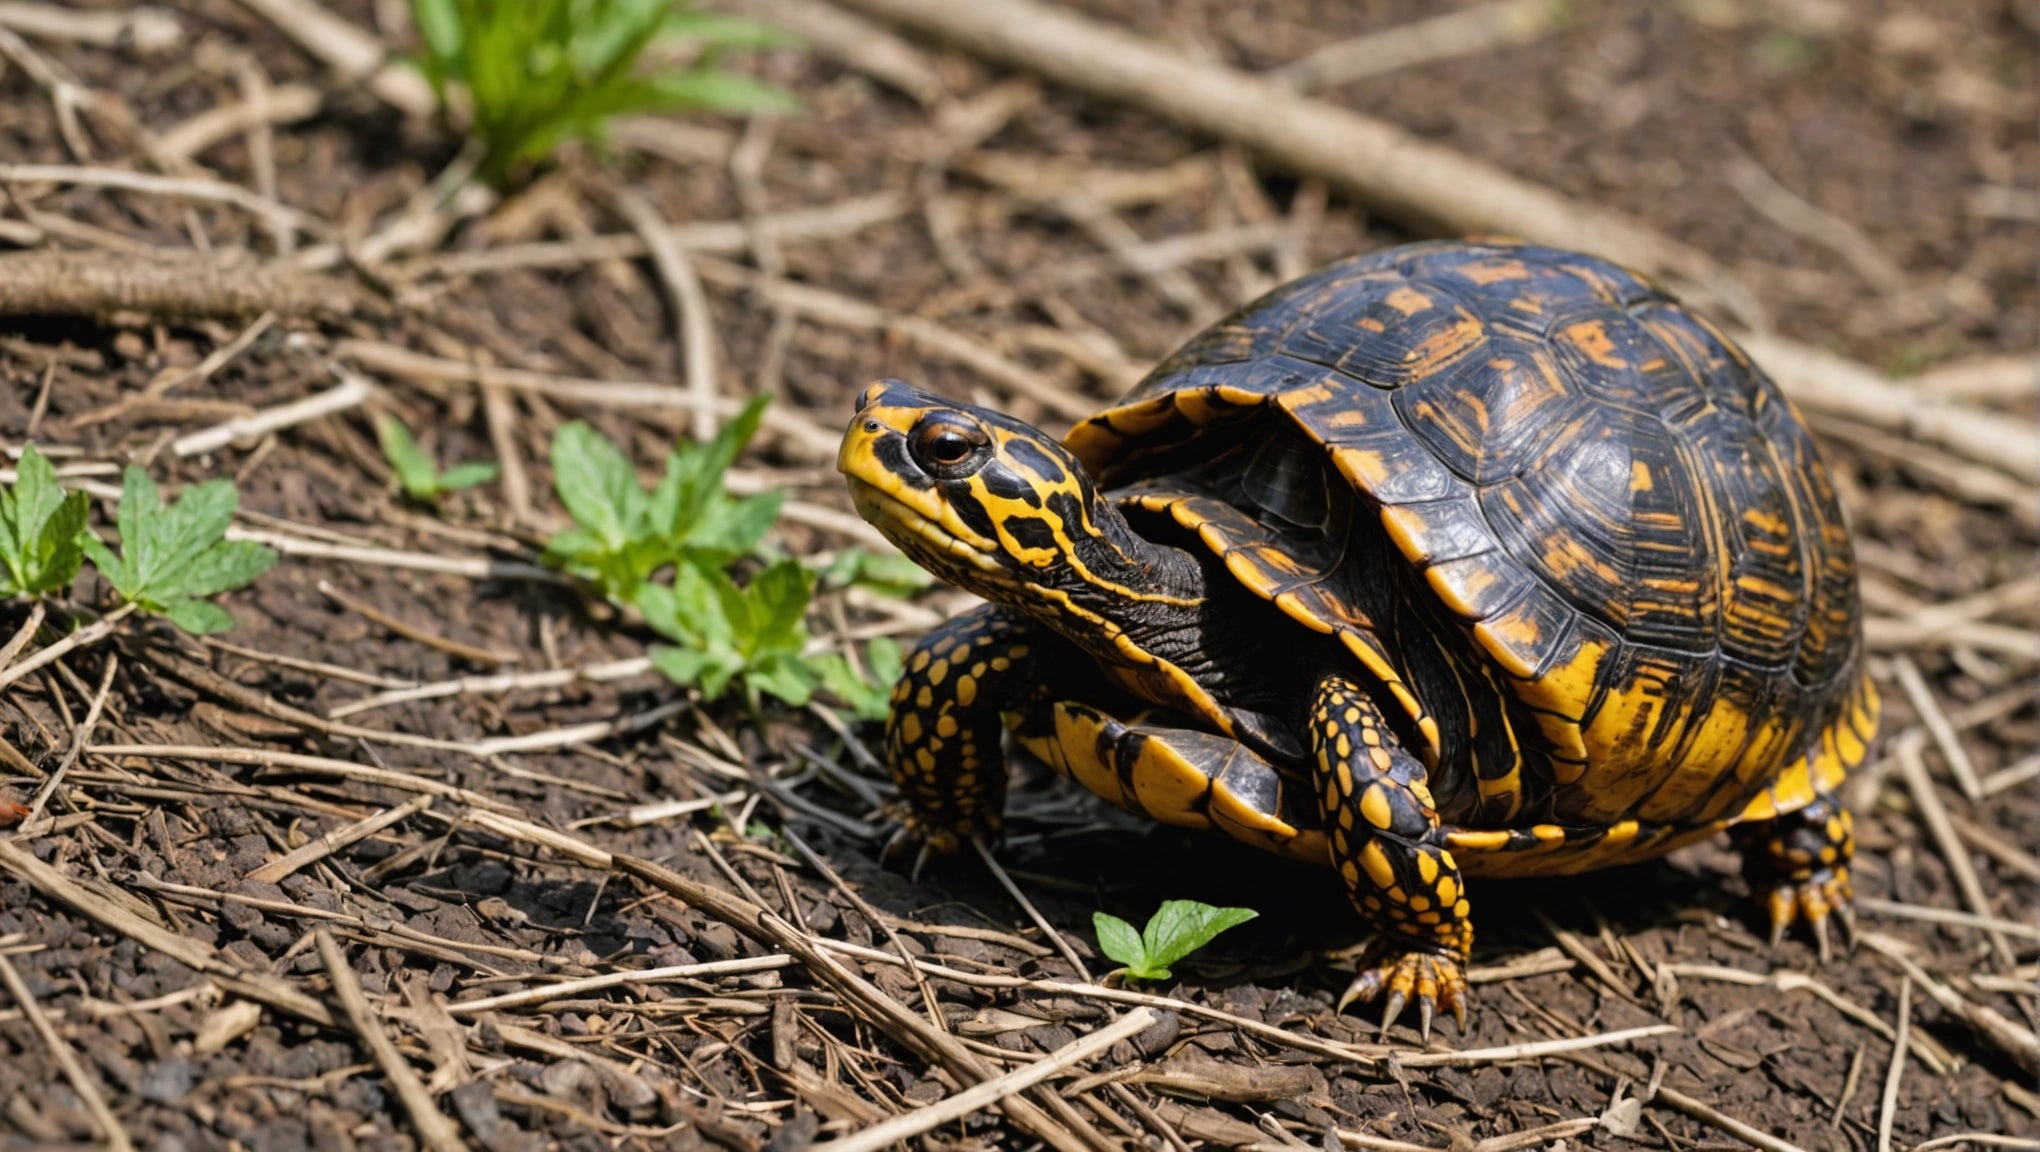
(1573, 532)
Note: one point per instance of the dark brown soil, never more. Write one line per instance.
(1914, 123)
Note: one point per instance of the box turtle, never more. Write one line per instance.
(1447, 560)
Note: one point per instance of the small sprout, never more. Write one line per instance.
(1178, 928)
(538, 73)
(622, 533)
(173, 558)
(417, 473)
(888, 573)
(41, 530)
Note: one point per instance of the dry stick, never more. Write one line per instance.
(262, 145)
(436, 1129)
(1925, 1048)
(1785, 208)
(1850, 1081)
(842, 311)
(1981, 378)
(1424, 185)
(474, 568)
(489, 685)
(79, 740)
(855, 41)
(1714, 1117)
(1889, 1107)
(150, 31)
(991, 1091)
(88, 1092)
(1822, 381)
(352, 52)
(796, 426)
(1913, 767)
(692, 324)
(197, 285)
(531, 997)
(322, 765)
(1936, 722)
(411, 632)
(2016, 1040)
(1878, 907)
(1481, 28)
(1005, 881)
(1985, 1139)
(285, 104)
(1060, 1132)
(727, 237)
(24, 634)
(274, 871)
(1390, 171)
(352, 391)
(90, 634)
(2012, 776)
(176, 188)
(258, 986)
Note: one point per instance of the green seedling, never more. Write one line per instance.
(173, 558)
(754, 635)
(538, 73)
(41, 527)
(889, 573)
(622, 533)
(1178, 928)
(417, 473)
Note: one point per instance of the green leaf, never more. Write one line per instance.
(1117, 939)
(778, 597)
(172, 557)
(40, 525)
(416, 473)
(439, 24)
(596, 483)
(462, 476)
(784, 676)
(198, 617)
(1181, 927)
(890, 573)
(723, 91)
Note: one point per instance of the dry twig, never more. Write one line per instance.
(435, 1129)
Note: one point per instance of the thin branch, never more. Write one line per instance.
(109, 1125)
(436, 1130)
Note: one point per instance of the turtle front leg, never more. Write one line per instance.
(942, 737)
(1798, 864)
(1387, 844)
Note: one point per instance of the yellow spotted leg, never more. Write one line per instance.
(1798, 864)
(942, 737)
(1387, 845)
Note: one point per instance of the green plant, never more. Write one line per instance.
(623, 533)
(538, 73)
(890, 573)
(40, 530)
(172, 558)
(755, 634)
(1178, 928)
(417, 473)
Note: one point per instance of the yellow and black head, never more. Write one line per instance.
(994, 506)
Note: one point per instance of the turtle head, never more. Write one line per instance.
(990, 504)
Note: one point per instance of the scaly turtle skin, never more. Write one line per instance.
(1447, 560)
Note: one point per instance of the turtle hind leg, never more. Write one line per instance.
(1798, 864)
(1387, 844)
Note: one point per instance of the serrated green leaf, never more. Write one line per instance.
(1117, 939)
(226, 566)
(778, 598)
(39, 528)
(110, 566)
(139, 520)
(57, 552)
(596, 483)
(731, 528)
(1180, 927)
(198, 617)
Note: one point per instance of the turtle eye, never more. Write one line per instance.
(944, 446)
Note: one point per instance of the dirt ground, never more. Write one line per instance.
(1863, 169)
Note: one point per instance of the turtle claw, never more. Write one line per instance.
(1400, 975)
(1823, 894)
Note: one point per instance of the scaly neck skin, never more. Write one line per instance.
(1116, 580)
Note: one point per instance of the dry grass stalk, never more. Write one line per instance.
(1005, 880)
(1913, 767)
(324, 846)
(110, 1128)
(285, 104)
(1888, 1108)
(1953, 754)
(435, 1129)
(351, 392)
(1480, 28)
(90, 634)
(2013, 1038)
(412, 632)
(693, 326)
(350, 51)
(174, 286)
(990, 1092)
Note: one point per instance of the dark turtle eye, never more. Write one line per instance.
(944, 445)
